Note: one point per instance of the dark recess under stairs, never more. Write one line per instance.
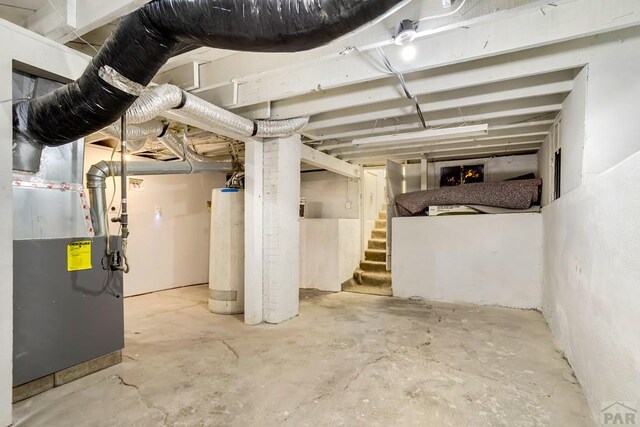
(372, 276)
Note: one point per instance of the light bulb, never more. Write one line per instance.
(408, 53)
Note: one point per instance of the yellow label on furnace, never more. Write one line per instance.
(79, 255)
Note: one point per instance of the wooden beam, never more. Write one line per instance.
(330, 163)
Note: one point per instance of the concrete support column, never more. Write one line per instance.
(253, 217)
(281, 232)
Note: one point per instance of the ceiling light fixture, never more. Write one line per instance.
(406, 33)
(416, 138)
(408, 52)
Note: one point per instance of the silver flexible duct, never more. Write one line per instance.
(159, 99)
(137, 134)
(143, 130)
(98, 174)
(155, 101)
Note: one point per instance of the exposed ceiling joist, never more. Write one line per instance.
(66, 20)
(458, 145)
(319, 159)
(547, 84)
(466, 153)
(526, 29)
(481, 113)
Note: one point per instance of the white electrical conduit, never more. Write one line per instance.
(159, 99)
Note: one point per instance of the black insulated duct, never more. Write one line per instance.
(145, 40)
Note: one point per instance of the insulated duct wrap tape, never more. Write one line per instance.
(144, 40)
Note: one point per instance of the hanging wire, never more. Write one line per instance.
(55, 9)
(403, 83)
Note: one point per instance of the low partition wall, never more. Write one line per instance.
(329, 252)
(476, 259)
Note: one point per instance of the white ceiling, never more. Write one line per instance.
(17, 10)
(507, 63)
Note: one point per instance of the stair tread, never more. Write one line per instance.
(374, 274)
(351, 286)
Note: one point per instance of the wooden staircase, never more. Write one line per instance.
(372, 276)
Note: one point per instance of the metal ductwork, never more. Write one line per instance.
(159, 99)
(179, 148)
(145, 39)
(98, 174)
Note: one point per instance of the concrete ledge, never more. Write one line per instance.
(32, 388)
(87, 368)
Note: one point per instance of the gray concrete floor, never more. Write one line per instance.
(348, 359)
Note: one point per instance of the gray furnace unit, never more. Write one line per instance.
(67, 307)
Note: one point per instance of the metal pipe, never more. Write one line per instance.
(124, 213)
(98, 174)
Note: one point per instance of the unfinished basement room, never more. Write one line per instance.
(319, 213)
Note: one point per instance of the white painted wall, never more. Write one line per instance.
(329, 252)
(495, 168)
(477, 259)
(613, 102)
(412, 177)
(592, 282)
(173, 250)
(329, 195)
(544, 171)
(28, 48)
(591, 264)
(572, 128)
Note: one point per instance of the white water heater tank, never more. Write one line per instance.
(226, 264)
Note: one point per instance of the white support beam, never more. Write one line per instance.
(319, 159)
(463, 144)
(65, 20)
(550, 84)
(497, 132)
(499, 150)
(519, 30)
(411, 127)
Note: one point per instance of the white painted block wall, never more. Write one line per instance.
(329, 252)
(329, 195)
(170, 250)
(476, 259)
(592, 282)
(281, 232)
(592, 267)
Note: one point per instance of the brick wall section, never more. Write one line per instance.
(281, 232)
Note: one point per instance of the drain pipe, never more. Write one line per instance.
(98, 174)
